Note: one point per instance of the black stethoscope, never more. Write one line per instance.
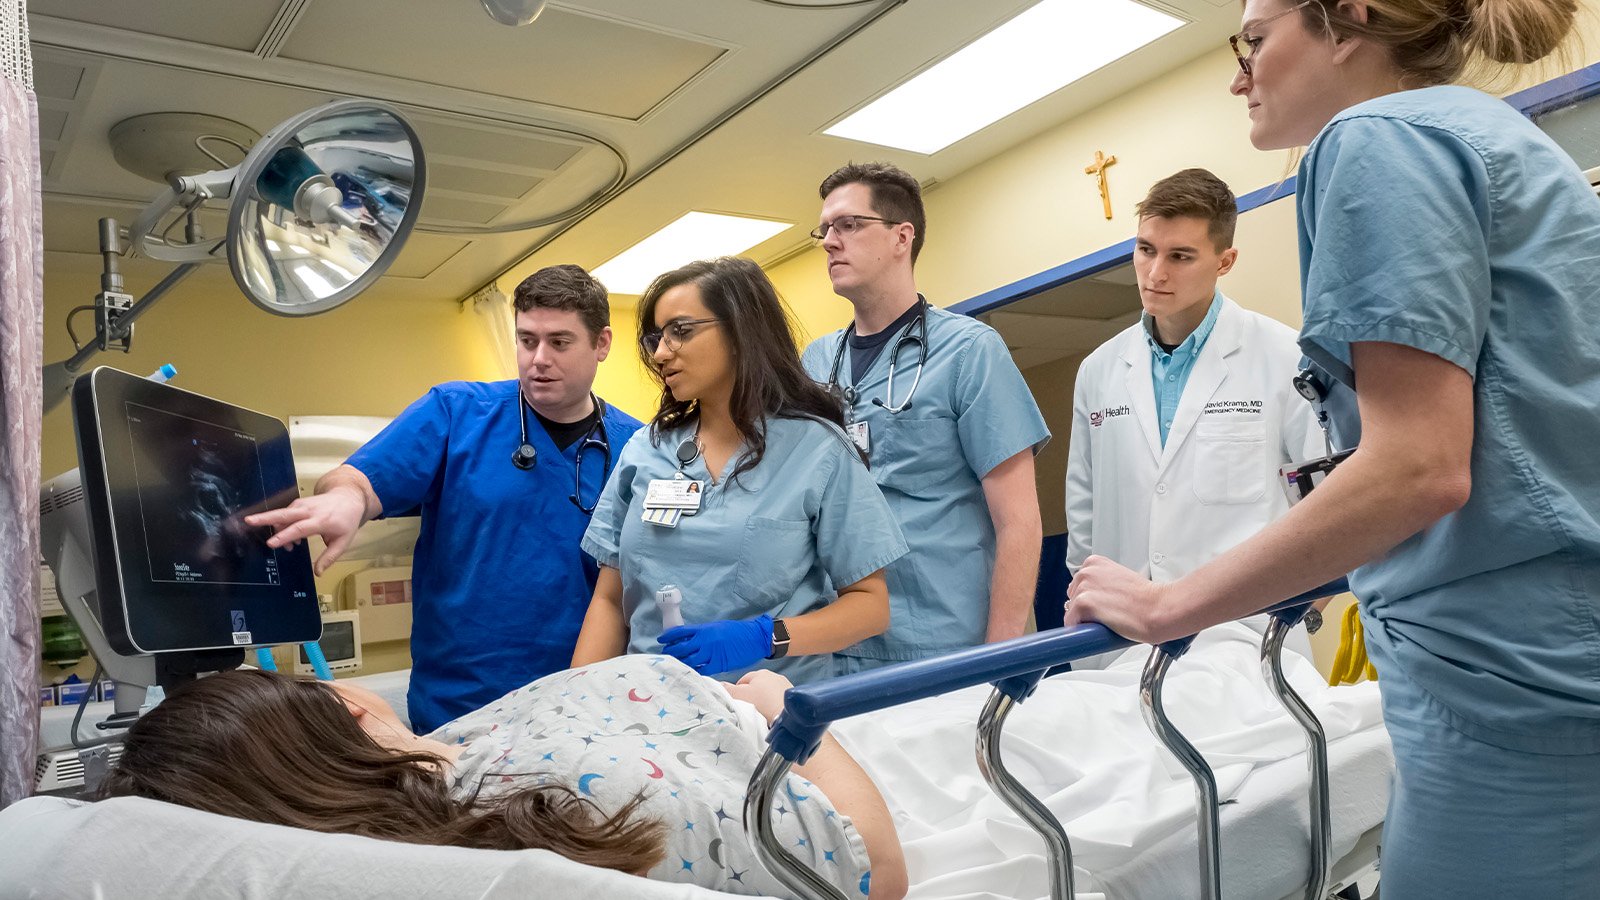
(525, 456)
(915, 332)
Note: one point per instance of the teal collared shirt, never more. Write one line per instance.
(1169, 372)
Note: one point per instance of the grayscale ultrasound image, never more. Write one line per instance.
(195, 482)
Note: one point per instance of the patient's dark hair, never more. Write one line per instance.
(285, 750)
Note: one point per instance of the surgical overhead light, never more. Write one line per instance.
(514, 12)
(317, 211)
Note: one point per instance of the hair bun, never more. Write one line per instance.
(1518, 32)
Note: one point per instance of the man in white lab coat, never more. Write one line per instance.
(1180, 422)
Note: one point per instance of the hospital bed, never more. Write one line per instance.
(1252, 832)
(1015, 669)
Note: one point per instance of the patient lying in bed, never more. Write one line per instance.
(636, 764)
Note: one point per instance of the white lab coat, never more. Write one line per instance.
(1165, 511)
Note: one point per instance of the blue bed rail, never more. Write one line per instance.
(1015, 668)
(809, 709)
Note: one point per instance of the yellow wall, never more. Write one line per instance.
(622, 379)
(359, 359)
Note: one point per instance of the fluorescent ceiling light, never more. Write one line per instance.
(695, 235)
(1047, 47)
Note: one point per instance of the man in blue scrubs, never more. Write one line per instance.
(505, 475)
(949, 428)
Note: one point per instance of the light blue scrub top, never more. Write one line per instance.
(499, 587)
(775, 540)
(1441, 219)
(971, 412)
(1169, 372)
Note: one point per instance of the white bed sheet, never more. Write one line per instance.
(136, 849)
(1127, 805)
(1081, 745)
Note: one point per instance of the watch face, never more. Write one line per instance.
(1313, 621)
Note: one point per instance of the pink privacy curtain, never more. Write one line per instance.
(21, 352)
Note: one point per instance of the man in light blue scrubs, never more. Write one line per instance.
(946, 421)
(505, 475)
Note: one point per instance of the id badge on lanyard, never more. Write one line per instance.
(861, 435)
(668, 500)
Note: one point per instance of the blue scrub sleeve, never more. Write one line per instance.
(1398, 253)
(405, 459)
(997, 417)
(603, 538)
(856, 534)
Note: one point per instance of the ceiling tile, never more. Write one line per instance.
(440, 207)
(502, 146)
(52, 124)
(424, 253)
(57, 80)
(443, 176)
(565, 59)
(236, 24)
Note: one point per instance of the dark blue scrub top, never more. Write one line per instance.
(499, 584)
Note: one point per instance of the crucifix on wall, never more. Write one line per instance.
(1098, 169)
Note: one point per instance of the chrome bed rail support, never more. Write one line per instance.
(1205, 783)
(1321, 832)
(806, 884)
(1021, 801)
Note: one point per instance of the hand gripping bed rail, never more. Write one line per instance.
(1284, 616)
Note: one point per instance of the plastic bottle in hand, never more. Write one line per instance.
(670, 601)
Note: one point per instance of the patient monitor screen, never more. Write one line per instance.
(195, 480)
(168, 477)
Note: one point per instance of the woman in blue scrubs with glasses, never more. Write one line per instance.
(1450, 263)
(744, 508)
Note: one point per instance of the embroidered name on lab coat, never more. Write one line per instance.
(1249, 407)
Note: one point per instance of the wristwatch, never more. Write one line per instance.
(1313, 621)
(780, 640)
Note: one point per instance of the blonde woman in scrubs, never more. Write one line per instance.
(1450, 264)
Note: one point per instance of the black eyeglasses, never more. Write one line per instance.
(846, 226)
(1245, 47)
(673, 335)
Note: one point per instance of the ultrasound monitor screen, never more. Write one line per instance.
(196, 480)
(168, 477)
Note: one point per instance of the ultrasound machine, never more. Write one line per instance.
(148, 544)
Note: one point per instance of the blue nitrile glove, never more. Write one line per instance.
(723, 646)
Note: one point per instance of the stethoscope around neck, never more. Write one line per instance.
(526, 456)
(915, 332)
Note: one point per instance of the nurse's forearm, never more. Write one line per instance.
(1011, 588)
(605, 629)
(1413, 468)
(1013, 502)
(861, 611)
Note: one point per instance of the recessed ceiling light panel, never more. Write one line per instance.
(692, 236)
(1043, 49)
